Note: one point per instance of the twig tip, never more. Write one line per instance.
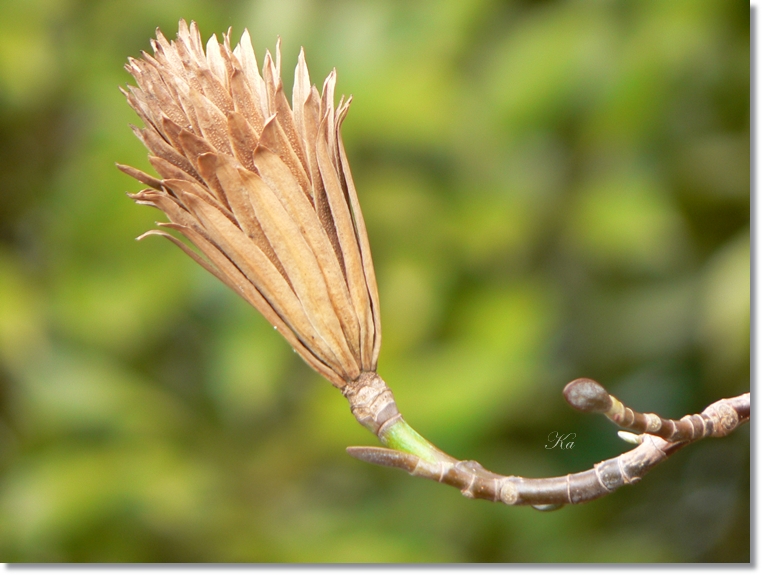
(587, 395)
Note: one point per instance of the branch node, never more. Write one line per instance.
(509, 493)
(723, 417)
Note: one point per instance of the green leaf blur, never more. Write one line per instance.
(552, 190)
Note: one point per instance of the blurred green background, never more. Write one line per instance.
(552, 190)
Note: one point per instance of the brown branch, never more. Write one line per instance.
(717, 420)
(664, 438)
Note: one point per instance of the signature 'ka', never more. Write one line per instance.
(262, 189)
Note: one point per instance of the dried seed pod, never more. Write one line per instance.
(263, 190)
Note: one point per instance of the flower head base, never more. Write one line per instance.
(263, 191)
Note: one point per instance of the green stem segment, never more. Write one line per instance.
(372, 403)
(400, 436)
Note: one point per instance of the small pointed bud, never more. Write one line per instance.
(630, 437)
(384, 456)
(548, 507)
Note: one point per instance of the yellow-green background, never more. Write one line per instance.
(552, 190)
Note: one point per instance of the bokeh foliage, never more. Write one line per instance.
(552, 190)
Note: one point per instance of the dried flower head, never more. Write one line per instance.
(263, 191)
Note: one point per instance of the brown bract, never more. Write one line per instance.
(263, 191)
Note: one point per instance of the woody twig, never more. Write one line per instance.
(658, 439)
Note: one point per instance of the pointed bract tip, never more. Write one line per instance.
(146, 234)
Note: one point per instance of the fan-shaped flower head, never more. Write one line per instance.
(263, 191)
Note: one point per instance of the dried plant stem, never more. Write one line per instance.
(373, 405)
